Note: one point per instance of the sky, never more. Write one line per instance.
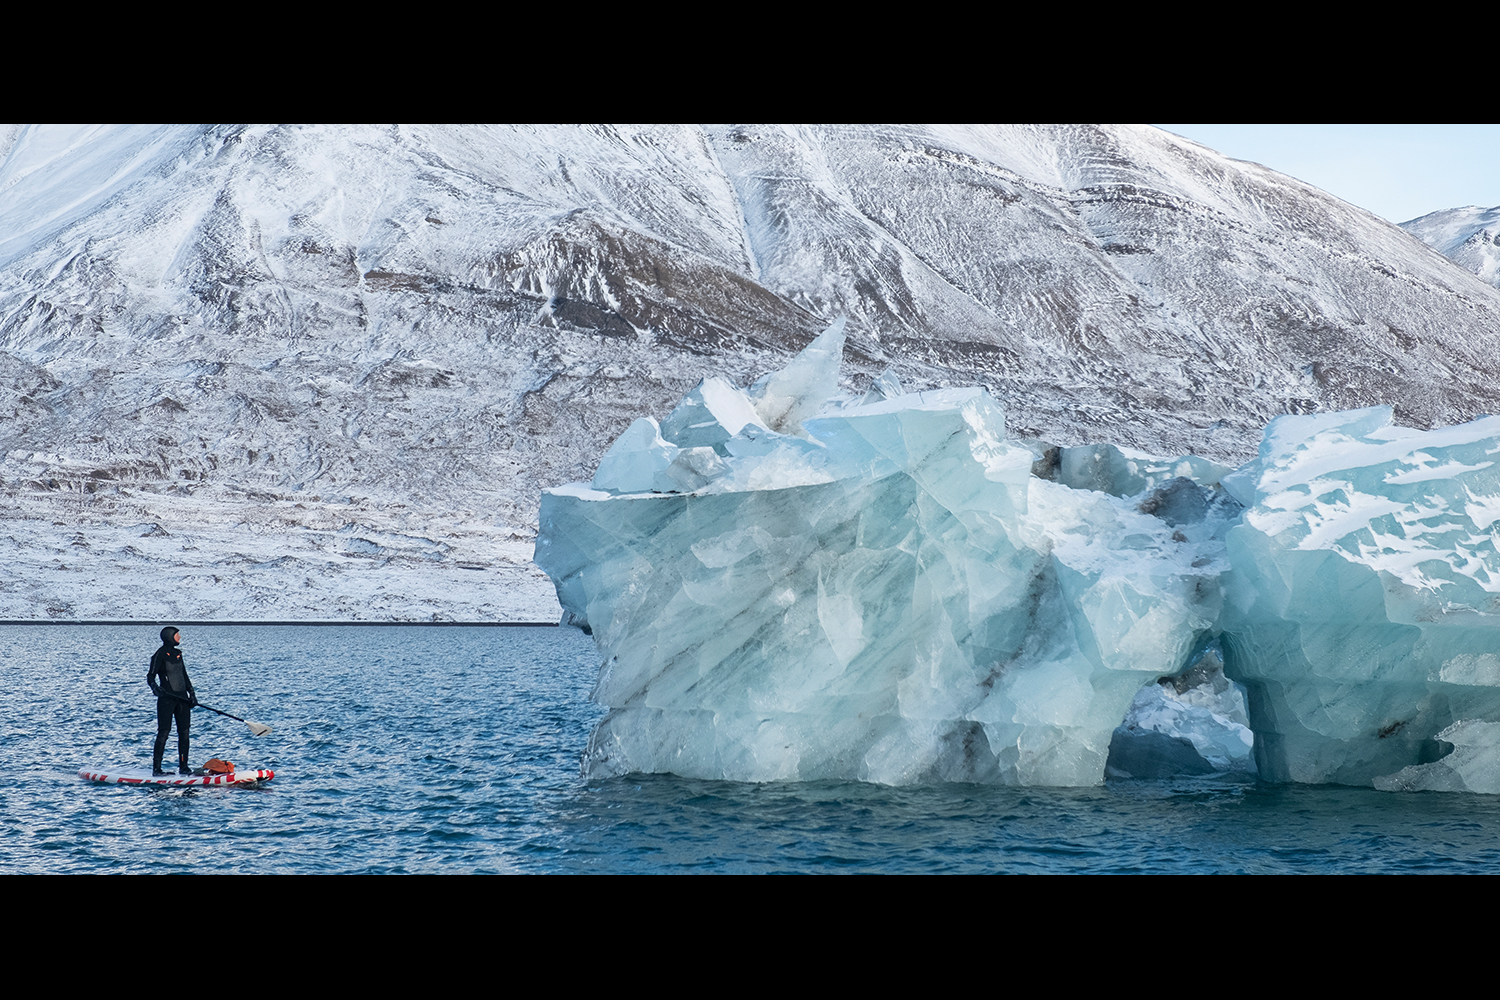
(1399, 172)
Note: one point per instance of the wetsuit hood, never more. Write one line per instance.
(166, 636)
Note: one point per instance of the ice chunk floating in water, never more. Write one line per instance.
(786, 585)
(1363, 609)
(879, 591)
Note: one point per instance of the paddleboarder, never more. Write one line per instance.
(175, 698)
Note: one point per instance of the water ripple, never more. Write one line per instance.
(411, 749)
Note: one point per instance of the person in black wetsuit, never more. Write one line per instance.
(175, 698)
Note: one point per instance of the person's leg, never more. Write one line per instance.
(184, 719)
(163, 727)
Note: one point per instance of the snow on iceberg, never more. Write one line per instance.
(877, 590)
(789, 585)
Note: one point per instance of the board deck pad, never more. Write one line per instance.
(143, 776)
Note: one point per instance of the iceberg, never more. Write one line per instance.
(1125, 472)
(1362, 609)
(862, 590)
(785, 583)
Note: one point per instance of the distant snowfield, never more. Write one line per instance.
(214, 556)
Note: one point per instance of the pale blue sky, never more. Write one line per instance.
(1399, 172)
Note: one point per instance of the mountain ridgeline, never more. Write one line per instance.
(452, 318)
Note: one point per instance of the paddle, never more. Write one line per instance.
(256, 728)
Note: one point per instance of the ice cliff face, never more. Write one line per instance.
(785, 585)
(1363, 609)
(373, 346)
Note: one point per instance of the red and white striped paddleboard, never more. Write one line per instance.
(143, 776)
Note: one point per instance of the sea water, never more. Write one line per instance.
(457, 749)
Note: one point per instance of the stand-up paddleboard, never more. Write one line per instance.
(143, 776)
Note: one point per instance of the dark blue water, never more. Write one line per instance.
(412, 749)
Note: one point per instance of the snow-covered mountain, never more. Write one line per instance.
(1470, 237)
(304, 351)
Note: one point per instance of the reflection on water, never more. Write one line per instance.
(442, 749)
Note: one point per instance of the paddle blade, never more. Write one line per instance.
(257, 729)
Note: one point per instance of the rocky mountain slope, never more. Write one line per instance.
(1470, 237)
(310, 353)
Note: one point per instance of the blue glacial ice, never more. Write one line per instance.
(1362, 611)
(786, 584)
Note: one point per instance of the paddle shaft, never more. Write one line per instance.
(226, 715)
(200, 704)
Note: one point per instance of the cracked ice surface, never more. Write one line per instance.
(1363, 609)
(879, 591)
